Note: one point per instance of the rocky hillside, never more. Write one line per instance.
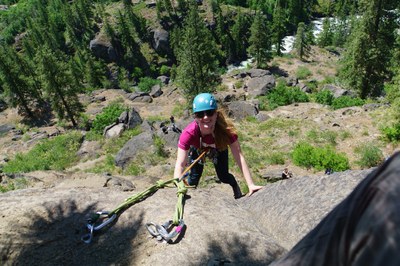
(42, 222)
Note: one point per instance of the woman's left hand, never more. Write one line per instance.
(253, 189)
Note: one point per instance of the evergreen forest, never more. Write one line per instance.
(47, 54)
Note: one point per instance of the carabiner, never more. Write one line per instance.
(152, 231)
(88, 237)
(167, 237)
(107, 220)
(161, 231)
(91, 224)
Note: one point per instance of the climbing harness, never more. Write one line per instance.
(162, 232)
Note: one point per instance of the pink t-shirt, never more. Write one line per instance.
(191, 136)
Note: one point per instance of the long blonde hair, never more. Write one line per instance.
(223, 131)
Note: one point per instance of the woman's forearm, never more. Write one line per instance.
(241, 162)
(180, 163)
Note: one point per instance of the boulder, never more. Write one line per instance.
(49, 226)
(128, 152)
(160, 41)
(260, 86)
(294, 206)
(114, 130)
(45, 222)
(239, 110)
(103, 49)
(140, 97)
(338, 91)
(156, 91)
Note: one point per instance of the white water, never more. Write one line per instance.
(289, 40)
(242, 65)
(287, 45)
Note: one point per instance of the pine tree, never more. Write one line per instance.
(223, 37)
(137, 22)
(196, 55)
(240, 35)
(56, 80)
(17, 90)
(78, 19)
(367, 59)
(325, 38)
(302, 43)
(341, 31)
(260, 46)
(278, 27)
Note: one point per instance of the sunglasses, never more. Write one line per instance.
(207, 113)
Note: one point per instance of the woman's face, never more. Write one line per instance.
(206, 121)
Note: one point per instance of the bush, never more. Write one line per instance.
(108, 116)
(165, 70)
(303, 72)
(276, 158)
(146, 83)
(391, 134)
(13, 184)
(322, 136)
(281, 96)
(324, 97)
(306, 155)
(51, 154)
(159, 143)
(369, 155)
(346, 101)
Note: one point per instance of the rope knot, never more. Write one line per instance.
(181, 190)
(160, 184)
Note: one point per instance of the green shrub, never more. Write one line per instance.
(51, 154)
(13, 184)
(134, 169)
(105, 166)
(165, 70)
(324, 97)
(276, 158)
(239, 84)
(146, 83)
(263, 103)
(344, 135)
(326, 136)
(113, 145)
(320, 158)
(303, 72)
(282, 95)
(160, 146)
(391, 133)
(108, 116)
(330, 137)
(369, 155)
(346, 101)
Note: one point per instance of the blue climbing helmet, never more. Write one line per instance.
(204, 102)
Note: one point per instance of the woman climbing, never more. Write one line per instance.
(212, 130)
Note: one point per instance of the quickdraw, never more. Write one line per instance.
(163, 232)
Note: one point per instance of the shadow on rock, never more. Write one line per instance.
(237, 252)
(54, 238)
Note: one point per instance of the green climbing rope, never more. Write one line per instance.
(177, 221)
(141, 196)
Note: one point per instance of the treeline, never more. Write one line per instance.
(45, 59)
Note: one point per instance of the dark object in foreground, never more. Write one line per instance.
(362, 230)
